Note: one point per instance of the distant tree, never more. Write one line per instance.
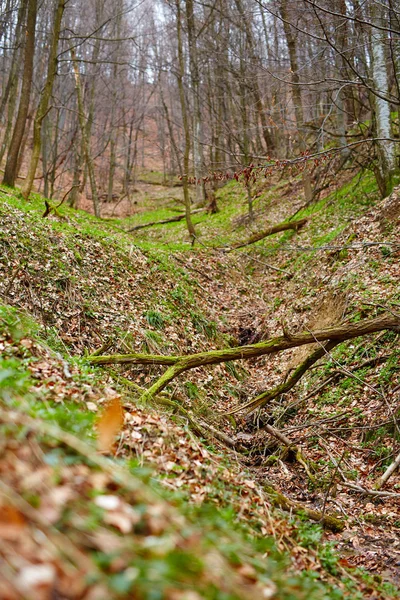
(44, 99)
(10, 172)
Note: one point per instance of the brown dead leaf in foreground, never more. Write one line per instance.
(109, 424)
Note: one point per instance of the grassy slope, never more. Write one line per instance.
(62, 271)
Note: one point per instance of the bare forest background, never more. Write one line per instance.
(95, 93)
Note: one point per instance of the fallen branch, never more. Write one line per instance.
(294, 449)
(389, 471)
(161, 183)
(278, 499)
(377, 360)
(327, 521)
(180, 364)
(295, 225)
(287, 385)
(163, 221)
(367, 492)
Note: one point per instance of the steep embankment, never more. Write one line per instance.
(87, 285)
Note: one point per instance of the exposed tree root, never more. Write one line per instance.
(295, 225)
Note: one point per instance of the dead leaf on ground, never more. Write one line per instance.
(109, 424)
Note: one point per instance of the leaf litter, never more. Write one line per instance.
(150, 435)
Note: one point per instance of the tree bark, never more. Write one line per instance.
(84, 134)
(44, 100)
(296, 93)
(296, 225)
(186, 129)
(386, 148)
(14, 61)
(10, 172)
(180, 364)
(198, 158)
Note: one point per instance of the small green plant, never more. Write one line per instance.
(192, 390)
(329, 558)
(309, 535)
(178, 294)
(156, 319)
(202, 325)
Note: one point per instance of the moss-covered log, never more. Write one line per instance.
(327, 521)
(174, 219)
(179, 364)
(287, 385)
(295, 225)
(134, 359)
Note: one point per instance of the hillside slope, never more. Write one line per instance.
(89, 286)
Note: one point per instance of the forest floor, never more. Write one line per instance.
(198, 513)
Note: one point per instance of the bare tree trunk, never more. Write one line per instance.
(198, 158)
(296, 92)
(10, 117)
(44, 100)
(386, 148)
(171, 133)
(258, 101)
(11, 83)
(84, 134)
(186, 129)
(10, 173)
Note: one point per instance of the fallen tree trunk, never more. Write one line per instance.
(287, 385)
(295, 225)
(285, 503)
(180, 364)
(163, 221)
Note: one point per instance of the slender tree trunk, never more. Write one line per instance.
(342, 42)
(171, 133)
(10, 117)
(84, 134)
(46, 138)
(44, 100)
(198, 158)
(11, 81)
(386, 148)
(258, 100)
(10, 173)
(296, 92)
(185, 120)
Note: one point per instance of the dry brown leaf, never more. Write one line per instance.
(109, 424)
(12, 522)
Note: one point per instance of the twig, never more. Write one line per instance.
(389, 471)
(295, 449)
(17, 271)
(368, 492)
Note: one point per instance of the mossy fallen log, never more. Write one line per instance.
(285, 226)
(180, 364)
(164, 221)
(287, 385)
(342, 332)
(281, 501)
